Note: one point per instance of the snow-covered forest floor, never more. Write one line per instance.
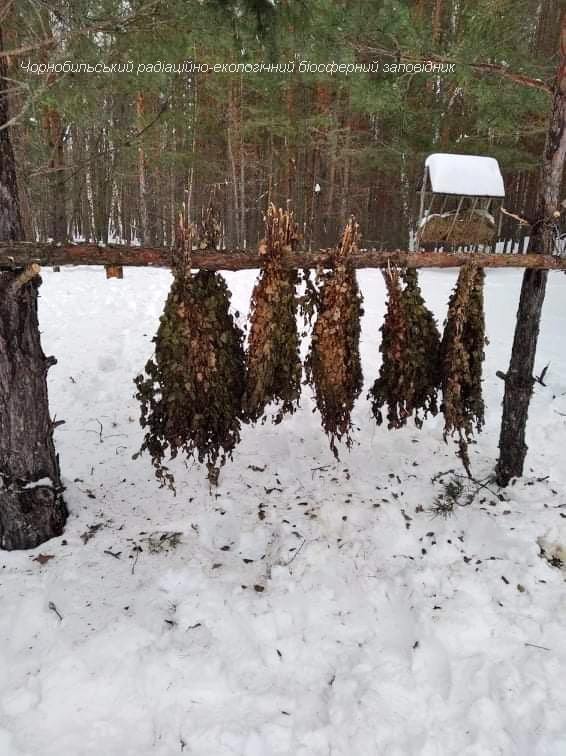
(305, 607)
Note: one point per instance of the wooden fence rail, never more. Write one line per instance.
(20, 254)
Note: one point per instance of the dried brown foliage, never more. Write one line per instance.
(333, 366)
(273, 365)
(462, 355)
(191, 393)
(281, 232)
(409, 376)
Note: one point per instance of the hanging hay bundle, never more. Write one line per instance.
(409, 375)
(333, 366)
(467, 227)
(273, 365)
(462, 355)
(192, 392)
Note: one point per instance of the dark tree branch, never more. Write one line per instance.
(492, 69)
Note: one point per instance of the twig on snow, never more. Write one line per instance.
(53, 608)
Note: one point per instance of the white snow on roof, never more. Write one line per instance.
(473, 175)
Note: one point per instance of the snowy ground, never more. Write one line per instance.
(305, 607)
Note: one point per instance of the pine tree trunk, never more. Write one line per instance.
(11, 228)
(243, 228)
(346, 176)
(519, 380)
(437, 21)
(54, 135)
(144, 234)
(329, 219)
(231, 132)
(31, 506)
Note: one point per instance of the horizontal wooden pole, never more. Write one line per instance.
(20, 254)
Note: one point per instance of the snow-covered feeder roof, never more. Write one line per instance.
(471, 175)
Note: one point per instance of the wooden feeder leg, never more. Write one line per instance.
(421, 210)
(455, 218)
(428, 211)
(499, 224)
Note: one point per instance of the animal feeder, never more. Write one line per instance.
(461, 196)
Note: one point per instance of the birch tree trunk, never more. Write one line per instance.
(519, 380)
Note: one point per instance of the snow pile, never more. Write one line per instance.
(306, 607)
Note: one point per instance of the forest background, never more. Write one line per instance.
(113, 156)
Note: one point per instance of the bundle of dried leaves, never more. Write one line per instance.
(191, 394)
(424, 339)
(273, 365)
(462, 355)
(333, 365)
(409, 376)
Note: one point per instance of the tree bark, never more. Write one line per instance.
(20, 254)
(31, 505)
(242, 147)
(231, 130)
(144, 234)
(54, 135)
(10, 216)
(519, 381)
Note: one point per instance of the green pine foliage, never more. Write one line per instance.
(377, 122)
